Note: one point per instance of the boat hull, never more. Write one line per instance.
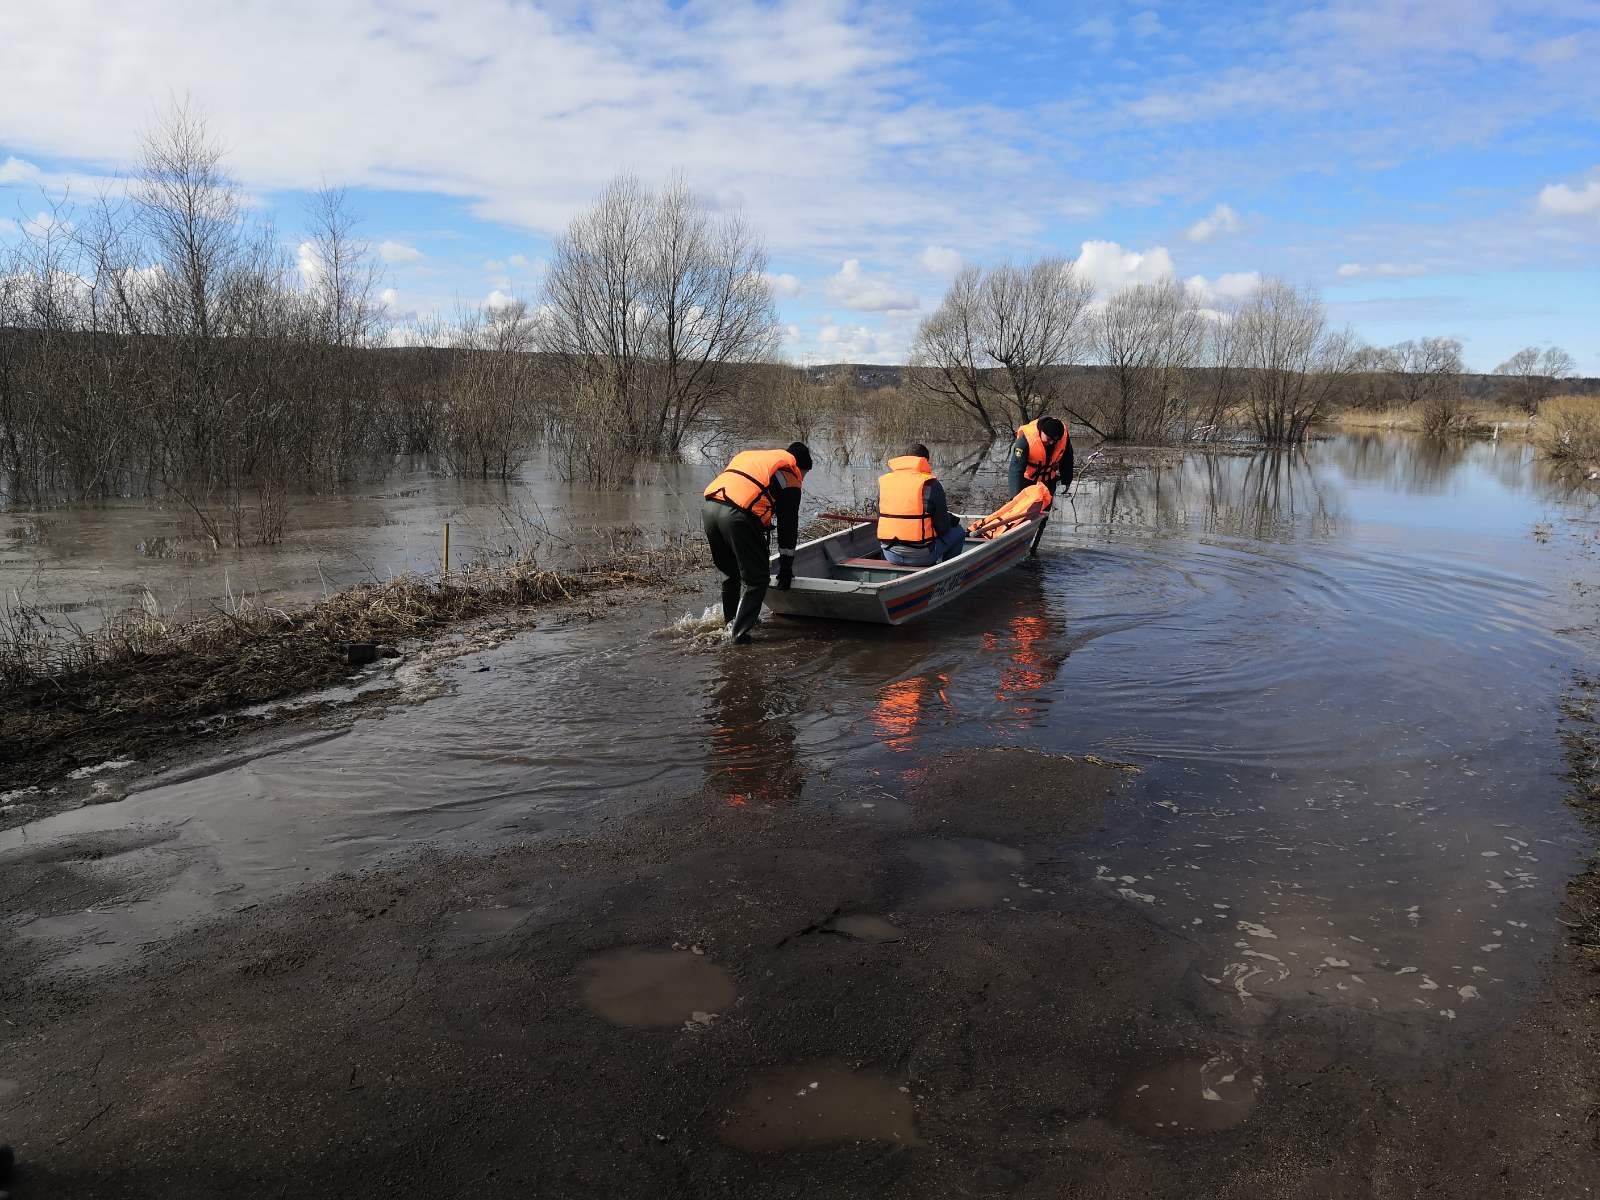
(833, 581)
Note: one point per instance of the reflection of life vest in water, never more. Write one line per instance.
(898, 712)
(903, 517)
(749, 483)
(1044, 458)
(1024, 506)
(1028, 670)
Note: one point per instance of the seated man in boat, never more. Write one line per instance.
(758, 489)
(1042, 453)
(915, 527)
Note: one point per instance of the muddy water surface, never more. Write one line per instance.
(1337, 671)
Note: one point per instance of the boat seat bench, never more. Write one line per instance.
(876, 564)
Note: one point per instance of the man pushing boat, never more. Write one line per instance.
(757, 490)
(1042, 453)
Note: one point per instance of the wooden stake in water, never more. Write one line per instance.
(447, 547)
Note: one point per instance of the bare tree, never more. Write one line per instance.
(1294, 364)
(1147, 336)
(344, 277)
(490, 420)
(994, 347)
(1033, 324)
(1532, 374)
(650, 301)
(947, 359)
(1425, 375)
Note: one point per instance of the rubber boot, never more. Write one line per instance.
(748, 615)
(730, 600)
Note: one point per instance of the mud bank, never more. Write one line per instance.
(705, 998)
(79, 710)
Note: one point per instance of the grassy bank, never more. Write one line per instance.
(139, 684)
(1566, 428)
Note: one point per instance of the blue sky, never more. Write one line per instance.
(1433, 168)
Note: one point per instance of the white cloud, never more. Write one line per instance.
(1381, 270)
(1222, 219)
(1233, 285)
(42, 223)
(398, 252)
(389, 297)
(15, 170)
(523, 263)
(1555, 50)
(853, 343)
(783, 285)
(498, 299)
(1100, 30)
(940, 260)
(308, 263)
(1564, 200)
(1146, 24)
(1111, 268)
(855, 289)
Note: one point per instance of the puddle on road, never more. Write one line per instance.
(655, 988)
(963, 873)
(1188, 1098)
(864, 927)
(792, 1107)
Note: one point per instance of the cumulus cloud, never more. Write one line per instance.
(498, 299)
(1232, 285)
(940, 260)
(1381, 270)
(854, 343)
(785, 285)
(15, 170)
(523, 263)
(1564, 200)
(389, 297)
(856, 289)
(398, 252)
(1222, 219)
(1111, 268)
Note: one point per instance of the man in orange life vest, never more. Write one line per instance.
(915, 527)
(758, 489)
(1042, 453)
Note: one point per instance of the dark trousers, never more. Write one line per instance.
(739, 550)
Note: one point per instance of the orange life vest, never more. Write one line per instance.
(750, 482)
(1024, 506)
(1042, 461)
(903, 516)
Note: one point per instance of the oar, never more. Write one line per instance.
(858, 518)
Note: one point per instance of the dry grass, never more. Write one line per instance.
(69, 697)
(1474, 419)
(1568, 428)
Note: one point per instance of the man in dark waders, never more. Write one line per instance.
(758, 489)
(1042, 453)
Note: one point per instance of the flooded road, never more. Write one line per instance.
(1338, 674)
(1338, 671)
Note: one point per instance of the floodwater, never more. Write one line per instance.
(1338, 671)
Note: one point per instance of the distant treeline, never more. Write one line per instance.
(1493, 389)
